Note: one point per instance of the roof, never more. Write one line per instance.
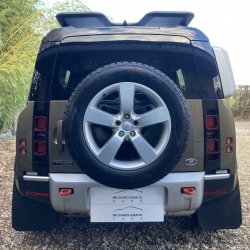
(151, 19)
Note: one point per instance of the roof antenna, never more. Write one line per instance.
(125, 23)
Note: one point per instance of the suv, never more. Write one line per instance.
(126, 123)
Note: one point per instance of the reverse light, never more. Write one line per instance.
(39, 147)
(212, 122)
(40, 123)
(212, 146)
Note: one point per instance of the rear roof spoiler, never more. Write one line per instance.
(168, 19)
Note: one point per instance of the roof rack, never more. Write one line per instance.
(168, 19)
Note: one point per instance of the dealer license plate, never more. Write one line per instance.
(117, 205)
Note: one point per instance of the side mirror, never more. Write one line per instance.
(225, 71)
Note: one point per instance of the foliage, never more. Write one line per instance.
(23, 23)
(239, 103)
(18, 44)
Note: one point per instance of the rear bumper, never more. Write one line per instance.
(175, 201)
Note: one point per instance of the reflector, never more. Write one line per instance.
(37, 194)
(220, 191)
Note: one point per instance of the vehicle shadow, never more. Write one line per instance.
(79, 233)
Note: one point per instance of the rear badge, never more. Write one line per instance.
(190, 162)
(62, 163)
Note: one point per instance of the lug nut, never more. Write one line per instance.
(117, 123)
(132, 133)
(127, 116)
(121, 133)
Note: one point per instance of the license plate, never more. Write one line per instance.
(116, 205)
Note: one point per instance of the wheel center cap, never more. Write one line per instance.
(127, 125)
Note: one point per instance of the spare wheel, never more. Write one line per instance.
(126, 125)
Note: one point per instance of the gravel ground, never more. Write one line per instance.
(79, 233)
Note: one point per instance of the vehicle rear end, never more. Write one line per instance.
(205, 178)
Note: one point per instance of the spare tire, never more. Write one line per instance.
(126, 125)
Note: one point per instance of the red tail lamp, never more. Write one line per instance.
(39, 147)
(211, 122)
(212, 146)
(40, 123)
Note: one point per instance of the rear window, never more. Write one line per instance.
(76, 61)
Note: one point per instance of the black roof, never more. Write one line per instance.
(153, 23)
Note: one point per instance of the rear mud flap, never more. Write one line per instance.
(221, 214)
(30, 215)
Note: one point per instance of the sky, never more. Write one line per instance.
(226, 23)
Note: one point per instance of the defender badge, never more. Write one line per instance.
(190, 162)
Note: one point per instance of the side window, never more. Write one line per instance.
(181, 80)
(207, 70)
(41, 80)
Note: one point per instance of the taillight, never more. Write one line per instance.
(40, 138)
(211, 136)
(212, 122)
(212, 146)
(40, 123)
(40, 148)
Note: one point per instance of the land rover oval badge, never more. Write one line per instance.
(190, 162)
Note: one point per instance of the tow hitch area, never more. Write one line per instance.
(66, 191)
(188, 190)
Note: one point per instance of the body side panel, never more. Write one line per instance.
(24, 131)
(227, 129)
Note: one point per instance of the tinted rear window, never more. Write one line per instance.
(76, 61)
